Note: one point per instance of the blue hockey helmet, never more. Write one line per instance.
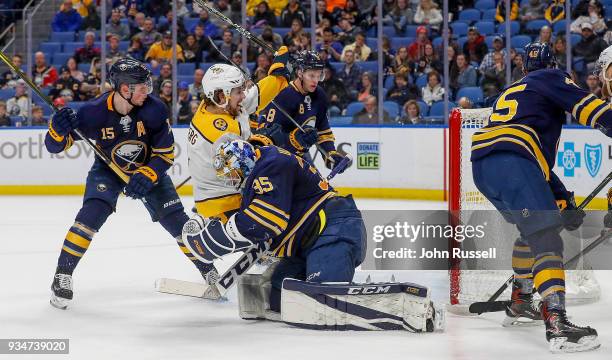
(131, 72)
(309, 60)
(234, 160)
(538, 56)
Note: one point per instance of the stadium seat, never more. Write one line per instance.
(282, 31)
(186, 68)
(534, 26)
(485, 27)
(520, 41)
(186, 78)
(372, 43)
(60, 59)
(392, 108)
(578, 65)
(515, 27)
(469, 15)
(17, 121)
(575, 39)
(51, 47)
(124, 45)
(397, 42)
(340, 120)
(474, 93)
(389, 81)
(461, 41)
(62, 37)
(459, 28)
(411, 30)
(489, 40)
(336, 65)
(422, 106)
(437, 108)
(559, 27)
(6, 94)
(389, 31)
(81, 35)
(190, 23)
(204, 66)
(489, 14)
(421, 81)
(485, 4)
(437, 42)
(353, 108)
(371, 66)
(71, 47)
(384, 93)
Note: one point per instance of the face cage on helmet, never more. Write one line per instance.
(604, 78)
(229, 175)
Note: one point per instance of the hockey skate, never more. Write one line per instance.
(522, 311)
(61, 290)
(565, 337)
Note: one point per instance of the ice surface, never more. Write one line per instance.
(116, 314)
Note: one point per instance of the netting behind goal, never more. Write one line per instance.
(466, 202)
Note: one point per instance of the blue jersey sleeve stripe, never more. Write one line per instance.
(271, 207)
(262, 222)
(588, 109)
(575, 109)
(269, 216)
(596, 114)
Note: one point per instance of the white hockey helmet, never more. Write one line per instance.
(601, 67)
(221, 77)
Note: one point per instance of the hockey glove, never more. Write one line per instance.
(279, 64)
(141, 183)
(63, 121)
(303, 140)
(333, 159)
(571, 216)
(269, 135)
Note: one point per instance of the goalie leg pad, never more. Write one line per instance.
(350, 306)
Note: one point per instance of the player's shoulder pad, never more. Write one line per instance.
(548, 75)
(154, 111)
(273, 158)
(94, 110)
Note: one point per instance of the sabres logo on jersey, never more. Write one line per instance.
(220, 124)
(130, 155)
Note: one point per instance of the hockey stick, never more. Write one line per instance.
(494, 306)
(183, 183)
(35, 88)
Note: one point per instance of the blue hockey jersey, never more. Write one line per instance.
(309, 109)
(281, 199)
(528, 116)
(142, 137)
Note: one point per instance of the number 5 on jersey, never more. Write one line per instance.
(503, 103)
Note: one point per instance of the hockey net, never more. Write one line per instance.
(468, 286)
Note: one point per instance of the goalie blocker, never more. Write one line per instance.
(342, 306)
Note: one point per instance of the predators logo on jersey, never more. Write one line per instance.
(220, 124)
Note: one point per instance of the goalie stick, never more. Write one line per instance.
(492, 305)
(218, 290)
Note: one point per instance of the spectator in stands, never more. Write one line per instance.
(113, 54)
(500, 13)
(88, 11)
(433, 91)
(91, 87)
(335, 5)
(66, 81)
(184, 103)
(59, 103)
(125, 7)
(67, 19)
(594, 17)
(428, 62)
(237, 61)
(115, 26)
(427, 13)
(498, 48)
(292, 11)
(137, 24)
(466, 74)
(333, 48)
(165, 95)
(5, 120)
(593, 85)
(155, 8)
(517, 71)
(276, 6)
(322, 12)
(336, 91)
(402, 91)
(75, 73)
(416, 50)
(555, 11)
(303, 42)
(590, 46)
(475, 47)
(545, 35)
(350, 75)
(167, 26)
(465, 103)
(494, 79)
(165, 73)
(148, 36)
(195, 89)
(262, 67)
(89, 51)
(136, 49)
(38, 118)
(264, 16)
(367, 86)
(18, 104)
(532, 10)
(182, 12)
(412, 113)
(559, 50)
(201, 38)
(291, 38)
(399, 16)
(192, 50)
(44, 75)
(161, 51)
(347, 32)
(271, 38)
(8, 74)
(194, 106)
(352, 9)
(388, 55)
(369, 114)
(227, 47)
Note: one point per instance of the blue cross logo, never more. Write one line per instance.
(568, 159)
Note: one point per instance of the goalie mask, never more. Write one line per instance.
(601, 70)
(222, 77)
(234, 160)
